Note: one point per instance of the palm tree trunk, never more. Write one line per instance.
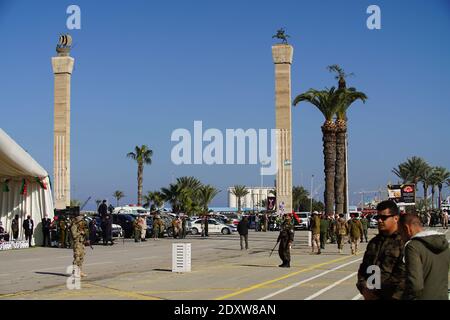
(239, 205)
(439, 197)
(140, 172)
(329, 153)
(425, 188)
(432, 197)
(339, 182)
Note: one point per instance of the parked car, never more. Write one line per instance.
(213, 227)
(373, 223)
(126, 222)
(117, 230)
(304, 221)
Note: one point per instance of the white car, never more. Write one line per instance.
(213, 227)
(134, 210)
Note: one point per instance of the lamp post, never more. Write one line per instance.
(311, 193)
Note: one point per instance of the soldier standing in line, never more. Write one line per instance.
(365, 225)
(156, 227)
(385, 251)
(341, 232)
(286, 237)
(79, 230)
(62, 231)
(137, 229)
(355, 231)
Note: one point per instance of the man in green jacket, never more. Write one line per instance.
(427, 261)
(365, 225)
(324, 226)
(355, 232)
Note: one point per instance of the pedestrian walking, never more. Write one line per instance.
(137, 225)
(445, 219)
(285, 238)
(365, 225)
(106, 223)
(79, 231)
(355, 230)
(28, 227)
(143, 222)
(156, 227)
(242, 229)
(15, 227)
(324, 227)
(427, 261)
(341, 232)
(315, 230)
(333, 227)
(385, 252)
(46, 222)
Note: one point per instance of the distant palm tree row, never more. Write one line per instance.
(416, 170)
(333, 104)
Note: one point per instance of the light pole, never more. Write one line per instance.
(311, 192)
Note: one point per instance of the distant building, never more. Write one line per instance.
(252, 199)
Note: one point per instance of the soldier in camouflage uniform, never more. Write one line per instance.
(385, 251)
(286, 237)
(79, 231)
(355, 231)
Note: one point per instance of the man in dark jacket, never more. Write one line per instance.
(242, 228)
(427, 260)
(28, 227)
(106, 223)
(324, 226)
(46, 222)
(384, 257)
(286, 237)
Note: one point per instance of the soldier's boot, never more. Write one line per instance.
(319, 252)
(288, 264)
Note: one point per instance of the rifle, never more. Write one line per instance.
(274, 248)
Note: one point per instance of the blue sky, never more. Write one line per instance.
(145, 68)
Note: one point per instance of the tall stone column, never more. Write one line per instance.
(282, 58)
(62, 69)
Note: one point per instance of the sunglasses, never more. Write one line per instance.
(383, 217)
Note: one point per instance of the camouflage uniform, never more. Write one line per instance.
(355, 232)
(365, 224)
(386, 252)
(137, 229)
(79, 231)
(341, 232)
(286, 237)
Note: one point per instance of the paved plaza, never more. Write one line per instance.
(220, 271)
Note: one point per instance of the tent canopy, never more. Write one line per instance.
(15, 161)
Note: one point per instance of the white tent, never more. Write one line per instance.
(19, 169)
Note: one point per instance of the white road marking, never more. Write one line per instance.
(63, 268)
(357, 297)
(143, 258)
(307, 280)
(318, 293)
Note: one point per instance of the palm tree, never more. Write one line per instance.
(206, 195)
(154, 200)
(327, 101)
(239, 192)
(401, 172)
(299, 196)
(441, 176)
(171, 195)
(142, 155)
(118, 195)
(425, 177)
(433, 182)
(348, 97)
(414, 168)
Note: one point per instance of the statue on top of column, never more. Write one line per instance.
(281, 34)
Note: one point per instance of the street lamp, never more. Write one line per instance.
(311, 192)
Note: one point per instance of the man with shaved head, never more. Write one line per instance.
(427, 260)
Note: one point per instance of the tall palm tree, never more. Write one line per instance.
(348, 97)
(414, 167)
(118, 195)
(142, 155)
(425, 177)
(441, 176)
(433, 182)
(299, 195)
(327, 101)
(155, 199)
(401, 172)
(206, 195)
(172, 196)
(239, 192)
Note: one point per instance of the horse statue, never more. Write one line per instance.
(281, 35)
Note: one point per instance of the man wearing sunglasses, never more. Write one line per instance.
(384, 251)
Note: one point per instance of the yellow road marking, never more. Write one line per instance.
(262, 284)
